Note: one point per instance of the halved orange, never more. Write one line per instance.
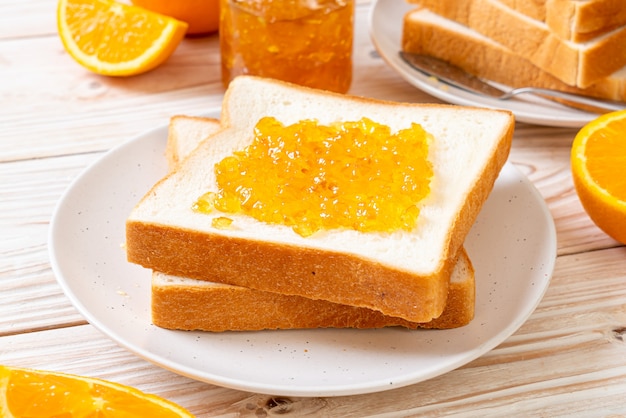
(598, 161)
(203, 16)
(116, 39)
(34, 393)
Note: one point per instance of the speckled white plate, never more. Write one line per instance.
(385, 23)
(512, 246)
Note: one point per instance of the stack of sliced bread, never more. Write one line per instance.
(255, 276)
(576, 46)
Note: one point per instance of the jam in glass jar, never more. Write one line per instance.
(306, 42)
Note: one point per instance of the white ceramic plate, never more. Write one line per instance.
(386, 32)
(512, 246)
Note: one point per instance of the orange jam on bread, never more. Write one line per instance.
(311, 177)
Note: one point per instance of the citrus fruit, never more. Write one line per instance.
(33, 393)
(203, 16)
(598, 161)
(116, 39)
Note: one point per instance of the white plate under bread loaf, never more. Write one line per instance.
(403, 274)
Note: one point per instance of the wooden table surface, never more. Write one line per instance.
(56, 119)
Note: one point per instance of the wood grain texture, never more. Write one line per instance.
(30, 297)
(543, 155)
(57, 107)
(568, 359)
(27, 19)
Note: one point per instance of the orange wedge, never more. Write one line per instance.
(34, 394)
(598, 161)
(116, 39)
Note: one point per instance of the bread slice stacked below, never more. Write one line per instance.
(188, 304)
(505, 41)
(574, 20)
(401, 274)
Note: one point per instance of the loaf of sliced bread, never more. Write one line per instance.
(189, 304)
(578, 64)
(425, 32)
(402, 274)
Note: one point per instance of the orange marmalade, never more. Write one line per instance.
(311, 177)
(306, 42)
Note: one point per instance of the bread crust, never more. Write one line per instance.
(228, 308)
(290, 270)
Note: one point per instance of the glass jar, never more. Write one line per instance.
(306, 42)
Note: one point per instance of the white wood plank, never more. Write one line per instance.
(543, 155)
(27, 18)
(57, 107)
(30, 297)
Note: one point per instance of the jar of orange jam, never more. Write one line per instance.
(306, 42)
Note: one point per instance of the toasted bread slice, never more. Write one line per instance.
(188, 304)
(401, 274)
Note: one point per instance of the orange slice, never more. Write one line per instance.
(116, 39)
(599, 170)
(30, 393)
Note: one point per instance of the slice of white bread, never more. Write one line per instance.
(576, 64)
(582, 20)
(184, 134)
(573, 20)
(535, 9)
(188, 304)
(401, 274)
(425, 32)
